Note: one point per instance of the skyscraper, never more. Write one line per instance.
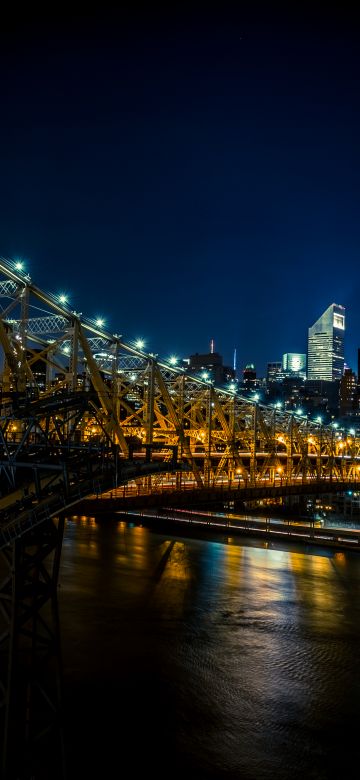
(326, 345)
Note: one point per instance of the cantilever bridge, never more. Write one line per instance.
(83, 412)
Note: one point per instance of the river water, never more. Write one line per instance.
(207, 658)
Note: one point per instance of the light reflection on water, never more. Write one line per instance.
(220, 659)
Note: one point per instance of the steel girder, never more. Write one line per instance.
(131, 399)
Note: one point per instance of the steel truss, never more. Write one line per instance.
(131, 399)
(76, 399)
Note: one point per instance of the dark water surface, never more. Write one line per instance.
(207, 658)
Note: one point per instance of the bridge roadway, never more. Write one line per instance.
(133, 496)
(20, 514)
(192, 521)
(126, 485)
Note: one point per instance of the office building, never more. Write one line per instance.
(326, 345)
(348, 394)
(294, 364)
(274, 372)
(210, 366)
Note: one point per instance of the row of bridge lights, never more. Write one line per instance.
(99, 322)
(63, 299)
(173, 360)
(299, 413)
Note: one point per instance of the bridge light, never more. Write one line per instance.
(352, 432)
(205, 375)
(335, 425)
(319, 419)
(278, 405)
(100, 322)
(140, 343)
(19, 265)
(256, 397)
(62, 298)
(173, 360)
(298, 411)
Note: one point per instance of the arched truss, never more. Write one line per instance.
(64, 378)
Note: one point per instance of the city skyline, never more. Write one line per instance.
(187, 177)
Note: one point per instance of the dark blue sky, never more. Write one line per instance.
(190, 176)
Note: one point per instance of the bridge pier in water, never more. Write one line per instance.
(30, 653)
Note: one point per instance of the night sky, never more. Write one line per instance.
(187, 175)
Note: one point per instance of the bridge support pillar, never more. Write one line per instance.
(30, 658)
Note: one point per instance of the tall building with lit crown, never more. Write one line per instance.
(326, 345)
